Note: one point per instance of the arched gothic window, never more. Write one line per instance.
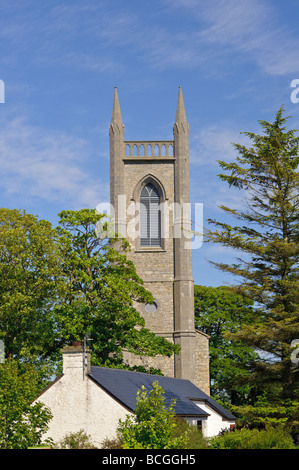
(150, 216)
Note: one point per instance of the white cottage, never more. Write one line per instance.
(95, 398)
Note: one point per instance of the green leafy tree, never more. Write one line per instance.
(22, 423)
(268, 241)
(219, 311)
(153, 426)
(101, 290)
(29, 271)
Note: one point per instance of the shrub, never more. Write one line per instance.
(115, 443)
(76, 440)
(268, 438)
(193, 438)
(153, 425)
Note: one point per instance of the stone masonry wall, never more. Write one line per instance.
(154, 265)
(202, 362)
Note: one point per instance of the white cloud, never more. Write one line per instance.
(250, 28)
(38, 163)
(95, 34)
(215, 143)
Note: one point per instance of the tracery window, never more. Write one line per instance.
(150, 216)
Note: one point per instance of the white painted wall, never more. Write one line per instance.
(78, 403)
(215, 423)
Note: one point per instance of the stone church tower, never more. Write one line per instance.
(149, 191)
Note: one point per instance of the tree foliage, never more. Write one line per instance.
(29, 270)
(58, 284)
(55, 286)
(153, 426)
(101, 291)
(268, 243)
(269, 438)
(75, 440)
(21, 423)
(263, 413)
(219, 311)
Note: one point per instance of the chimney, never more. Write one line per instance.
(76, 360)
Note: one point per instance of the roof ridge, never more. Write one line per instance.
(144, 373)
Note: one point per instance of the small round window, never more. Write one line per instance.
(151, 308)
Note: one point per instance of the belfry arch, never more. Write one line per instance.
(149, 178)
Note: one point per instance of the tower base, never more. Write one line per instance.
(167, 365)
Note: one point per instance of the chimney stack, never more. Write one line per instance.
(76, 361)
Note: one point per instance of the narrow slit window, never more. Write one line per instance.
(150, 216)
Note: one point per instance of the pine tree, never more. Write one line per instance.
(267, 239)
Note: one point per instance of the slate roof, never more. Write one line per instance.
(123, 386)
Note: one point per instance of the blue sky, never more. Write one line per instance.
(60, 61)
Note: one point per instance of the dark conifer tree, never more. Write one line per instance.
(267, 239)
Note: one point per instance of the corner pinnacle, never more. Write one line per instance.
(180, 110)
(116, 114)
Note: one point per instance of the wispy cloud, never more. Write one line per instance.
(250, 28)
(49, 166)
(215, 143)
(95, 33)
(211, 144)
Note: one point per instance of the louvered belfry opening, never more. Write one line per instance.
(150, 216)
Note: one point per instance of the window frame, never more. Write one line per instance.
(150, 217)
(149, 178)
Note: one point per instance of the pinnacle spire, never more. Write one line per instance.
(116, 114)
(180, 110)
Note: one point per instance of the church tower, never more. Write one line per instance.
(149, 191)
